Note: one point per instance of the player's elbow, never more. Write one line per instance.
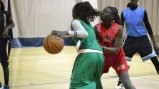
(84, 35)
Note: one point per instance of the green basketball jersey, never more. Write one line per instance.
(90, 42)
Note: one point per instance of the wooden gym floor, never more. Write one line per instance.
(33, 68)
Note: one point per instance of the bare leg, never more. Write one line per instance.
(155, 62)
(124, 78)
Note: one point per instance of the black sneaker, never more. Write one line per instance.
(119, 85)
(0, 85)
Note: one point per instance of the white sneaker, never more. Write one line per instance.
(119, 85)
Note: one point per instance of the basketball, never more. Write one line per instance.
(53, 44)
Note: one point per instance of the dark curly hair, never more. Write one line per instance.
(2, 5)
(83, 10)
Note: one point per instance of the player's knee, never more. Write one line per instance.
(4, 64)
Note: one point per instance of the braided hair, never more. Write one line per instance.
(116, 16)
(83, 11)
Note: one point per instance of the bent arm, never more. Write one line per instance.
(122, 19)
(149, 29)
(78, 31)
(11, 25)
(117, 43)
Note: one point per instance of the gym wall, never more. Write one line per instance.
(34, 19)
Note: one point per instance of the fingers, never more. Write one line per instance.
(55, 33)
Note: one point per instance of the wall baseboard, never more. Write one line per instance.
(35, 42)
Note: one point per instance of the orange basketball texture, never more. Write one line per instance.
(53, 44)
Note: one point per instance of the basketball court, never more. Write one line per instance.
(31, 67)
(34, 68)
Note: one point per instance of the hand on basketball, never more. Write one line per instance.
(53, 44)
(59, 33)
(54, 32)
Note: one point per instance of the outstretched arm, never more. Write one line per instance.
(9, 27)
(78, 31)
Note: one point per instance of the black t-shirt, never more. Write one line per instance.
(1, 23)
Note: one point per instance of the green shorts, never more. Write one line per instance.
(87, 71)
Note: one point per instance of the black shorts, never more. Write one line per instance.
(140, 45)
